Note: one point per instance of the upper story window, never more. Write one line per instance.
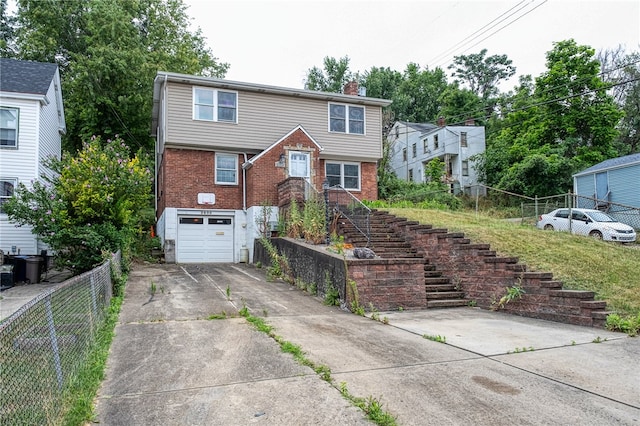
(425, 146)
(7, 187)
(414, 150)
(215, 105)
(436, 144)
(404, 154)
(226, 169)
(9, 127)
(463, 138)
(465, 168)
(346, 119)
(347, 175)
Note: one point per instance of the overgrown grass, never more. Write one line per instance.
(610, 270)
(79, 399)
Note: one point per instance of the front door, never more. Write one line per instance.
(299, 164)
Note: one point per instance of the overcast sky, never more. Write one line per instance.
(276, 42)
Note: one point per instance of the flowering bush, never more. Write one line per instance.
(90, 206)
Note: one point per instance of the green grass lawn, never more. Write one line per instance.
(611, 270)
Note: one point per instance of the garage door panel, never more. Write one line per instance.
(205, 239)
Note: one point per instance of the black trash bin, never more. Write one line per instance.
(32, 274)
(19, 267)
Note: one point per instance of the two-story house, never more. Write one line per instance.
(224, 147)
(413, 145)
(31, 124)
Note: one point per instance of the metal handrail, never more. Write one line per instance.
(352, 209)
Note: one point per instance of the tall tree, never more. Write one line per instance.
(109, 52)
(622, 72)
(417, 97)
(7, 31)
(580, 115)
(560, 125)
(481, 73)
(331, 78)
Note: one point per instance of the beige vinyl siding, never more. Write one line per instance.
(265, 118)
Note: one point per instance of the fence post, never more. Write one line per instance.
(536, 208)
(54, 341)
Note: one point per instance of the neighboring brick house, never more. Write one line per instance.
(413, 145)
(223, 147)
(31, 124)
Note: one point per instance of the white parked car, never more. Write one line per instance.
(593, 223)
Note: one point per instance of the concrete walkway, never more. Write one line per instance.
(171, 365)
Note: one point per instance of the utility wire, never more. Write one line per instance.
(470, 36)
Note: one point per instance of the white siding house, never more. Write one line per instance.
(413, 145)
(31, 125)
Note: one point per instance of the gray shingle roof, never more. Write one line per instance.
(422, 127)
(26, 76)
(611, 163)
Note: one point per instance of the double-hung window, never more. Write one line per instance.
(9, 127)
(215, 105)
(347, 175)
(346, 119)
(465, 168)
(7, 188)
(425, 146)
(463, 139)
(226, 169)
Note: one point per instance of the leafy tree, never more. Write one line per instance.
(622, 72)
(481, 73)
(109, 52)
(553, 128)
(578, 113)
(91, 205)
(417, 97)
(7, 31)
(331, 78)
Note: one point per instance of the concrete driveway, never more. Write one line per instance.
(172, 365)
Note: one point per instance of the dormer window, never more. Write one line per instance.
(346, 119)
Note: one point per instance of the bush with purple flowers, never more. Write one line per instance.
(90, 206)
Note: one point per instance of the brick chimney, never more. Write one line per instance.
(470, 122)
(351, 88)
(441, 121)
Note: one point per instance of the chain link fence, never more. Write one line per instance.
(46, 342)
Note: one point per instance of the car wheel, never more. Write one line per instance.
(596, 234)
(548, 227)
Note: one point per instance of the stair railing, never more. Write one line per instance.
(351, 208)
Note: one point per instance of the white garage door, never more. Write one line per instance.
(204, 239)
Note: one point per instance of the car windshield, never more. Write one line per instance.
(601, 217)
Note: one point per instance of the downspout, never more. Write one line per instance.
(244, 184)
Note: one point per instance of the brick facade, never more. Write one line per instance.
(184, 173)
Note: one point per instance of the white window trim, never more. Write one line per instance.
(226, 154)
(342, 164)
(15, 186)
(346, 121)
(15, 146)
(215, 105)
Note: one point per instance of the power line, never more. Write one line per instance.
(473, 35)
